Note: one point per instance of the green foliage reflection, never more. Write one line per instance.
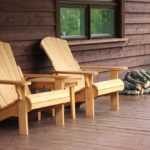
(102, 21)
(72, 22)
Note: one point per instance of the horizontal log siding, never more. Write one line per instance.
(24, 23)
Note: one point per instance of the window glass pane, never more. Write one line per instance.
(72, 21)
(102, 21)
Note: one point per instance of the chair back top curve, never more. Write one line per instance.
(8, 71)
(60, 55)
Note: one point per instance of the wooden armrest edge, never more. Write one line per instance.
(15, 82)
(76, 72)
(111, 68)
(45, 76)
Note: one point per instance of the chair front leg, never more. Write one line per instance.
(89, 97)
(114, 96)
(23, 118)
(114, 74)
(115, 101)
(22, 111)
(59, 85)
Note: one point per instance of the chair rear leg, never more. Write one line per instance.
(115, 101)
(53, 112)
(23, 118)
(59, 115)
(39, 115)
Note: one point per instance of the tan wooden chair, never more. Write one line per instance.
(59, 53)
(16, 98)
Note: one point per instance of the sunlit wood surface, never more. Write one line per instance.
(128, 129)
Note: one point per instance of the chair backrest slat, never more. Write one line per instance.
(61, 57)
(59, 51)
(8, 71)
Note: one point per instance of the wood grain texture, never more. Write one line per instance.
(137, 7)
(25, 23)
(24, 33)
(34, 5)
(137, 29)
(108, 131)
(139, 18)
(29, 18)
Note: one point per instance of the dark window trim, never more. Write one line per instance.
(119, 28)
(121, 16)
(94, 2)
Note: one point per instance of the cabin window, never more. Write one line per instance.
(89, 19)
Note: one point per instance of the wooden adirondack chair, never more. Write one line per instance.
(59, 53)
(16, 98)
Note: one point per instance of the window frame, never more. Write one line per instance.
(117, 5)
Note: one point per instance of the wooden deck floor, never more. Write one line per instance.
(128, 129)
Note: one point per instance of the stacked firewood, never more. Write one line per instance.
(137, 82)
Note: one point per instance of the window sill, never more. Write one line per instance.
(97, 41)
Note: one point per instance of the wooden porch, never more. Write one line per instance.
(128, 129)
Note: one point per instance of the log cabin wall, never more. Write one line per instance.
(24, 22)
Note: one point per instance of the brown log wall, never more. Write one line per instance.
(24, 23)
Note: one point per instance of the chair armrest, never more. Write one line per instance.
(14, 82)
(88, 75)
(19, 85)
(45, 76)
(56, 81)
(91, 73)
(110, 68)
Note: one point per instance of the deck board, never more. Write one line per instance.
(127, 129)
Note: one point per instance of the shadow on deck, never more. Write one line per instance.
(127, 129)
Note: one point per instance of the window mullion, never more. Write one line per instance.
(88, 18)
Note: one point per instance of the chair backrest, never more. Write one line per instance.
(8, 71)
(59, 53)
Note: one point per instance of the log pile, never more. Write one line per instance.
(137, 82)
